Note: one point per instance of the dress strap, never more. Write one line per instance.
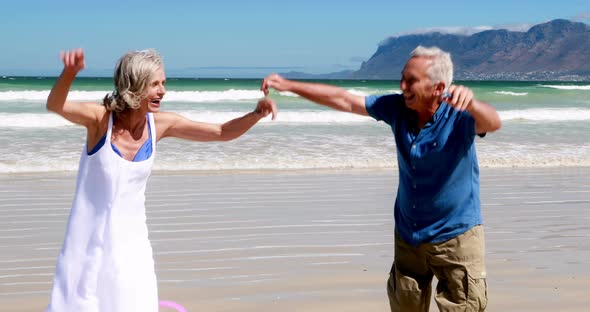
(152, 129)
(110, 127)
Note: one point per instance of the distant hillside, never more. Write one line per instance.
(557, 50)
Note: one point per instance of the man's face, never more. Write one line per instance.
(416, 86)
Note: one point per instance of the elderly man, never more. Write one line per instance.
(438, 223)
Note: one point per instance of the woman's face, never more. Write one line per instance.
(155, 91)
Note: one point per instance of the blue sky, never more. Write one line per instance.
(232, 38)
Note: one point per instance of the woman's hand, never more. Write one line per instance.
(73, 60)
(266, 106)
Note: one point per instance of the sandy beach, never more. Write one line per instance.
(307, 241)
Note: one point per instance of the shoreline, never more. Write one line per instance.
(312, 241)
(290, 171)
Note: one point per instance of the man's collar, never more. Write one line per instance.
(441, 111)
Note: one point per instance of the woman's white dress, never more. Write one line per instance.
(106, 263)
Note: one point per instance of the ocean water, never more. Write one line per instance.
(544, 124)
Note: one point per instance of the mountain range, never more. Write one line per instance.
(556, 50)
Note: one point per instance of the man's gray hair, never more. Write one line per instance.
(441, 69)
(133, 75)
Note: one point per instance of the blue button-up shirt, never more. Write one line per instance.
(438, 192)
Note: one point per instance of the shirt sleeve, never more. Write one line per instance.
(466, 124)
(384, 107)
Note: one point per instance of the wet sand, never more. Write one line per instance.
(307, 241)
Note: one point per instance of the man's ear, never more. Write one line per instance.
(439, 89)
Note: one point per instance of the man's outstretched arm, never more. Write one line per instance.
(327, 95)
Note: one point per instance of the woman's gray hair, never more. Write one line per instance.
(441, 69)
(133, 75)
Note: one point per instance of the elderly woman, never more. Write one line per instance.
(106, 263)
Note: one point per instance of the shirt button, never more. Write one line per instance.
(413, 145)
(434, 144)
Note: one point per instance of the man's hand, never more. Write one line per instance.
(274, 81)
(460, 98)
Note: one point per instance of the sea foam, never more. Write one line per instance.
(175, 96)
(48, 120)
(511, 93)
(564, 87)
(30, 120)
(547, 114)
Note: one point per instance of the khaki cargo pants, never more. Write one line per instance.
(458, 264)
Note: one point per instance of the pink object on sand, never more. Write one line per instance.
(172, 305)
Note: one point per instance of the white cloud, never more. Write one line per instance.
(515, 27)
(466, 31)
(461, 30)
(582, 16)
(454, 30)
